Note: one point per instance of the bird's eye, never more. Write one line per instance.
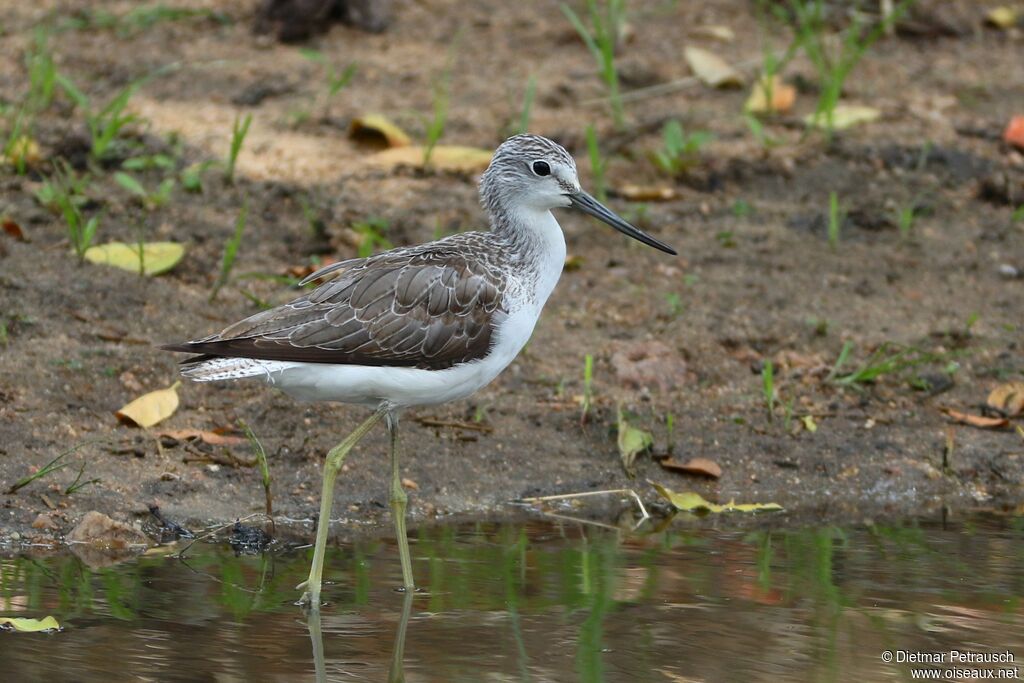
(541, 168)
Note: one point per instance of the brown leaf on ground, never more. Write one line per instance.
(771, 96)
(700, 466)
(308, 269)
(711, 69)
(12, 228)
(44, 521)
(212, 438)
(979, 421)
(1014, 133)
(1007, 398)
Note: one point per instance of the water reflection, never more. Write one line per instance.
(535, 602)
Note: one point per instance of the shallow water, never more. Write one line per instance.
(539, 601)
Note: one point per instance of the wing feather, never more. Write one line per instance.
(430, 307)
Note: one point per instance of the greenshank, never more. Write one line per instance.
(419, 325)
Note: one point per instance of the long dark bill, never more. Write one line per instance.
(587, 204)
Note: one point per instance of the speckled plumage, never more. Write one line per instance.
(434, 307)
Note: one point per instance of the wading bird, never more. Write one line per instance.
(419, 325)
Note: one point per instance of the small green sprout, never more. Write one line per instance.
(239, 129)
(105, 124)
(679, 151)
(588, 379)
(836, 216)
(601, 39)
(371, 236)
(768, 388)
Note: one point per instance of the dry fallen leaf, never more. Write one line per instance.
(443, 158)
(1002, 17)
(712, 69)
(1007, 398)
(212, 438)
(156, 257)
(976, 420)
(845, 116)
(632, 442)
(694, 502)
(1014, 133)
(702, 466)
(26, 625)
(23, 150)
(378, 129)
(151, 408)
(716, 31)
(12, 228)
(646, 193)
(771, 96)
(301, 272)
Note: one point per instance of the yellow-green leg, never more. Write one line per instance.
(399, 502)
(335, 458)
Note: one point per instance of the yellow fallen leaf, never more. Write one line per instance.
(1002, 17)
(771, 96)
(844, 116)
(157, 257)
(693, 502)
(1007, 398)
(26, 625)
(23, 150)
(809, 423)
(443, 158)
(632, 442)
(151, 408)
(712, 69)
(376, 127)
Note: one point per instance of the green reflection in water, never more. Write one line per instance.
(567, 602)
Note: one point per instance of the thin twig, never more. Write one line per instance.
(667, 88)
(564, 496)
(214, 531)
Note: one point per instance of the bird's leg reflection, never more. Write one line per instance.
(317, 638)
(397, 673)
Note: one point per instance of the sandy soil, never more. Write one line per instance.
(756, 279)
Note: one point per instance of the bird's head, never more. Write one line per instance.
(534, 173)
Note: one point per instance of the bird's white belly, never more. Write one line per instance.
(404, 386)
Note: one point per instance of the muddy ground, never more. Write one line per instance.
(756, 278)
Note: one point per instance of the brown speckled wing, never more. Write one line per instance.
(428, 307)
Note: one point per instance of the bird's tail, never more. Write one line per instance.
(216, 368)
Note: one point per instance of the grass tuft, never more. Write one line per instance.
(239, 129)
(601, 38)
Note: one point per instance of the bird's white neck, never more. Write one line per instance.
(540, 245)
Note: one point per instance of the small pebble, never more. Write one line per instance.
(1008, 271)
